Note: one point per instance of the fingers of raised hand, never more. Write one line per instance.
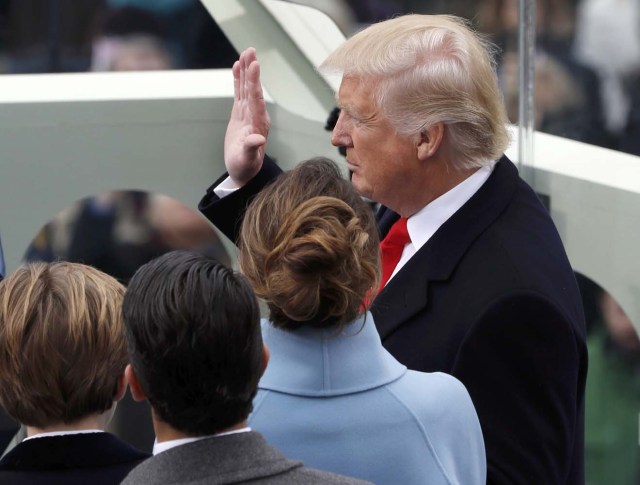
(243, 71)
(247, 58)
(236, 80)
(253, 86)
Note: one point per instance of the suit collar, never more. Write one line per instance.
(160, 447)
(314, 362)
(70, 452)
(407, 293)
(236, 458)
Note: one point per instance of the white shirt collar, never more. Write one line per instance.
(62, 433)
(167, 445)
(424, 223)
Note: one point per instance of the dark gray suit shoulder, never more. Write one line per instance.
(236, 458)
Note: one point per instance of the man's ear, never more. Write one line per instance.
(265, 358)
(134, 384)
(430, 140)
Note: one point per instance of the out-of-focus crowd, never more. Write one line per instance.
(587, 61)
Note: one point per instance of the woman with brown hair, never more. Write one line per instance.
(332, 396)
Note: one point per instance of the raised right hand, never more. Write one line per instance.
(248, 128)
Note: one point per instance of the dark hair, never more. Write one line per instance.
(129, 21)
(194, 341)
(309, 246)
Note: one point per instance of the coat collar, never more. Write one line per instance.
(405, 294)
(314, 362)
(236, 458)
(70, 452)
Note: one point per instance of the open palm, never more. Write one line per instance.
(248, 128)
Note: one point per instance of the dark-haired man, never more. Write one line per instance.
(196, 354)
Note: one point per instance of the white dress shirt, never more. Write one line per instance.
(167, 445)
(62, 433)
(424, 223)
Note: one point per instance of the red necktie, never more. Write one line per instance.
(391, 248)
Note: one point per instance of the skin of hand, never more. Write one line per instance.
(248, 128)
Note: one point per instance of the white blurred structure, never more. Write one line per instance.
(64, 137)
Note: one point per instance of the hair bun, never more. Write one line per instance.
(309, 246)
(317, 252)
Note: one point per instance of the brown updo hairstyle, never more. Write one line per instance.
(309, 246)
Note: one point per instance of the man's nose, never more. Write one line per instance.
(340, 135)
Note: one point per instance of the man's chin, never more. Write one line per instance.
(357, 184)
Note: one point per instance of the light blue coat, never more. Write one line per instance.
(342, 403)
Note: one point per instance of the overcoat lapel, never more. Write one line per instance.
(407, 293)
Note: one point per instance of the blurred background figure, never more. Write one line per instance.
(367, 12)
(562, 106)
(131, 39)
(48, 36)
(193, 38)
(353, 15)
(567, 97)
(117, 232)
(608, 40)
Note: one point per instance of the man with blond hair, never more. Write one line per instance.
(62, 360)
(480, 285)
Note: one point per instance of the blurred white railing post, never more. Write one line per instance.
(526, 86)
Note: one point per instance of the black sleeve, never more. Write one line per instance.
(227, 213)
(525, 369)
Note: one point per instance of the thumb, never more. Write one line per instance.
(254, 141)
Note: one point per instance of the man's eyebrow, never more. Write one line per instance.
(347, 108)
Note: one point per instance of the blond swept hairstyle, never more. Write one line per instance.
(62, 342)
(430, 69)
(309, 247)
